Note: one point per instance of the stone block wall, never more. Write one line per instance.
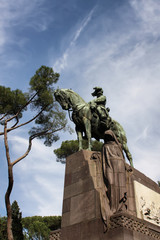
(81, 216)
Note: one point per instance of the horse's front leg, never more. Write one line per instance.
(79, 136)
(87, 124)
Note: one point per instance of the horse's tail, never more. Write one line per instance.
(119, 131)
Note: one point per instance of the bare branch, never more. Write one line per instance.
(16, 115)
(26, 153)
(3, 116)
(17, 121)
(59, 129)
(30, 143)
(23, 124)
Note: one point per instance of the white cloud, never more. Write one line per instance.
(147, 161)
(18, 15)
(144, 134)
(61, 63)
(83, 25)
(149, 13)
(44, 191)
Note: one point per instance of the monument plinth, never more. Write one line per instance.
(85, 201)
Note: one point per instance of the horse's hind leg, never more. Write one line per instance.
(127, 152)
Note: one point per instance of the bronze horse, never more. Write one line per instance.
(88, 122)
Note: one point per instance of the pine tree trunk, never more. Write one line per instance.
(8, 205)
(10, 186)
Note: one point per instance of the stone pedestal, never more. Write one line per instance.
(81, 206)
(81, 216)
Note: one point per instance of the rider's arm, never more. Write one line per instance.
(100, 100)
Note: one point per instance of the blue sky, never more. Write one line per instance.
(112, 44)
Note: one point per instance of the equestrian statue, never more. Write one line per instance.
(91, 119)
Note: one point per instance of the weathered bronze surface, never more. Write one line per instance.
(99, 104)
(91, 118)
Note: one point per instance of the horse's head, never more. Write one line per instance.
(62, 98)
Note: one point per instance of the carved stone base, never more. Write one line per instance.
(122, 227)
(81, 217)
(132, 228)
(55, 235)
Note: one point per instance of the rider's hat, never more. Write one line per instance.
(97, 90)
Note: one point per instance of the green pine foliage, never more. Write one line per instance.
(51, 117)
(37, 230)
(38, 227)
(17, 222)
(3, 228)
(12, 101)
(29, 228)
